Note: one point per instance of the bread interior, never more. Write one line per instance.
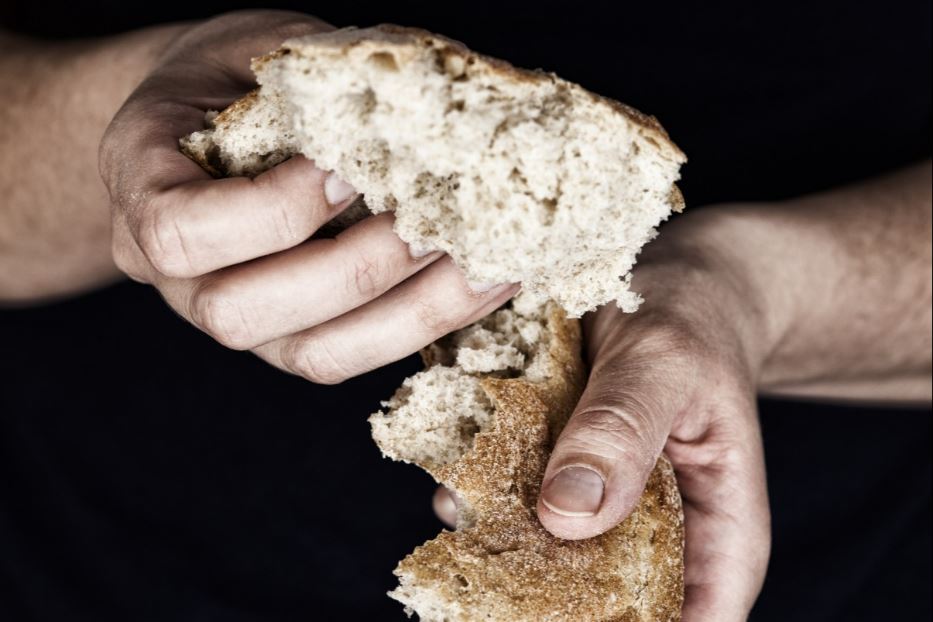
(517, 176)
(433, 419)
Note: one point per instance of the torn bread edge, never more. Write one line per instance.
(482, 419)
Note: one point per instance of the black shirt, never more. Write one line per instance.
(147, 473)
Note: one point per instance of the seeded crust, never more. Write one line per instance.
(501, 564)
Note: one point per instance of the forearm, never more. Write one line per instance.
(57, 100)
(835, 287)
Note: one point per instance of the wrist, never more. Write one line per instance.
(714, 270)
(59, 100)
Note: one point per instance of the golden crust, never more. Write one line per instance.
(678, 204)
(202, 150)
(232, 114)
(506, 562)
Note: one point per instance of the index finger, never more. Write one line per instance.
(203, 225)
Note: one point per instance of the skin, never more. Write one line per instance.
(734, 306)
(233, 256)
(729, 313)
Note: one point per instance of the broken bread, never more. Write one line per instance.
(481, 419)
(518, 175)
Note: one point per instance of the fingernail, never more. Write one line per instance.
(418, 253)
(478, 287)
(336, 190)
(574, 491)
(445, 506)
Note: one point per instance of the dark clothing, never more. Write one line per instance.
(147, 473)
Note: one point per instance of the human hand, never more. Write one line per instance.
(680, 376)
(233, 256)
(825, 295)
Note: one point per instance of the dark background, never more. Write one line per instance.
(146, 473)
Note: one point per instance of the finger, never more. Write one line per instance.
(444, 503)
(432, 303)
(602, 459)
(198, 227)
(722, 480)
(254, 303)
(139, 153)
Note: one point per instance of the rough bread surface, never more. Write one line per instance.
(501, 565)
(518, 175)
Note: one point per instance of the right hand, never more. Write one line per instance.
(233, 256)
(678, 375)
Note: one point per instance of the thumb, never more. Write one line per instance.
(602, 460)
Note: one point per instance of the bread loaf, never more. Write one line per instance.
(520, 177)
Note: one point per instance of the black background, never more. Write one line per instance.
(147, 473)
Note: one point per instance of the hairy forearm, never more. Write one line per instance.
(56, 102)
(840, 288)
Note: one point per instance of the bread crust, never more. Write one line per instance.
(396, 35)
(203, 154)
(505, 565)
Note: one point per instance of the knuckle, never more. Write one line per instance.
(437, 319)
(286, 228)
(162, 241)
(222, 317)
(313, 360)
(364, 279)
